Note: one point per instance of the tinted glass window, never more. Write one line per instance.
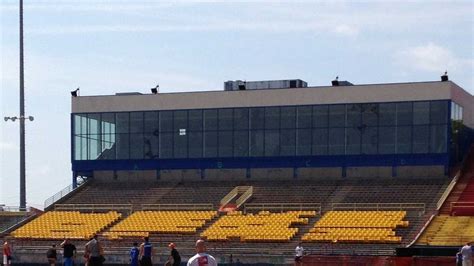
(421, 113)
(210, 144)
(195, 144)
(320, 116)
(180, 120)
(288, 117)
(304, 116)
(122, 146)
(225, 119)
(370, 113)
(136, 122)
(387, 114)
(337, 115)
(151, 122)
(336, 141)
(354, 115)
(180, 149)
(438, 112)
(195, 120)
(166, 145)
(353, 141)
(136, 146)
(225, 144)
(256, 143)
(320, 141)
(122, 121)
(257, 118)
(210, 120)
(108, 123)
(287, 142)
(151, 142)
(369, 140)
(421, 139)
(403, 139)
(272, 140)
(304, 142)
(272, 117)
(241, 143)
(438, 136)
(387, 140)
(241, 118)
(404, 114)
(166, 121)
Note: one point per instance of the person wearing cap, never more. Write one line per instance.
(174, 255)
(201, 258)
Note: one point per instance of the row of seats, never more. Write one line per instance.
(447, 230)
(66, 224)
(168, 222)
(263, 226)
(357, 226)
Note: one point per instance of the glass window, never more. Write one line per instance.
(225, 119)
(404, 113)
(304, 116)
(166, 144)
(136, 122)
(241, 118)
(77, 124)
(108, 147)
(461, 113)
(272, 117)
(272, 143)
(257, 118)
(256, 143)
(180, 120)
(195, 144)
(136, 146)
(336, 141)
(438, 138)
(320, 141)
(438, 112)
(241, 143)
(166, 121)
(337, 115)
(122, 122)
(370, 113)
(304, 142)
(122, 146)
(421, 113)
(225, 144)
(83, 147)
(108, 123)
(353, 141)
(93, 126)
(195, 120)
(180, 141)
(387, 114)
(320, 116)
(210, 144)
(287, 142)
(151, 142)
(369, 140)
(151, 122)
(354, 115)
(94, 146)
(288, 117)
(421, 139)
(210, 120)
(403, 139)
(387, 140)
(77, 148)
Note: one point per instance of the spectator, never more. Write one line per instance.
(69, 252)
(7, 254)
(95, 251)
(201, 258)
(134, 252)
(466, 252)
(51, 255)
(299, 252)
(146, 252)
(459, 259)
(174, 256)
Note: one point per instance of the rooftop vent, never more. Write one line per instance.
(445, 76)
(239, 85)
(338, 82)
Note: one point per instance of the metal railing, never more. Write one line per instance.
(244, 197)
(462, 205)
(93, 207)
(59, 195)
(282, 207)
(447, 192)
(379, 206)
(227, 198)
(171, 207)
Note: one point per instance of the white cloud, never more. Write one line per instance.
(346, 30)
(432, 58)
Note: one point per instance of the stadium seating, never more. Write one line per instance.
(67, 224)
(447, 230)
(263, 226)
(142, 223)
(358, 226)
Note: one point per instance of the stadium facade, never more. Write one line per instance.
(279, 131)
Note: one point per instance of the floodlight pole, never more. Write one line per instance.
(22, 121)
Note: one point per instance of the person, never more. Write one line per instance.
(94, 249)
(466, 252)
(51, 255)
(299, 252)
(7, 254)
(146, 252)
(459, 259)
(69, 252)
(201, 258)
(174, 255)
(134, 252)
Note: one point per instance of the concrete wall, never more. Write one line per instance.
(276, 97)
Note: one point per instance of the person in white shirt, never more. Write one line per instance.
(299, 252)
(466, 252)
(201, 258)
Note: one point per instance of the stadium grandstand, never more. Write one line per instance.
(368, 173)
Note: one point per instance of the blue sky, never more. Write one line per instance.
(119, 46)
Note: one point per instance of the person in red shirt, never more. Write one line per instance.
(7, 253)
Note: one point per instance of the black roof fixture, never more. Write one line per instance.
(445, 76)
(75, 92)
(155, 89)
(335, 82)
